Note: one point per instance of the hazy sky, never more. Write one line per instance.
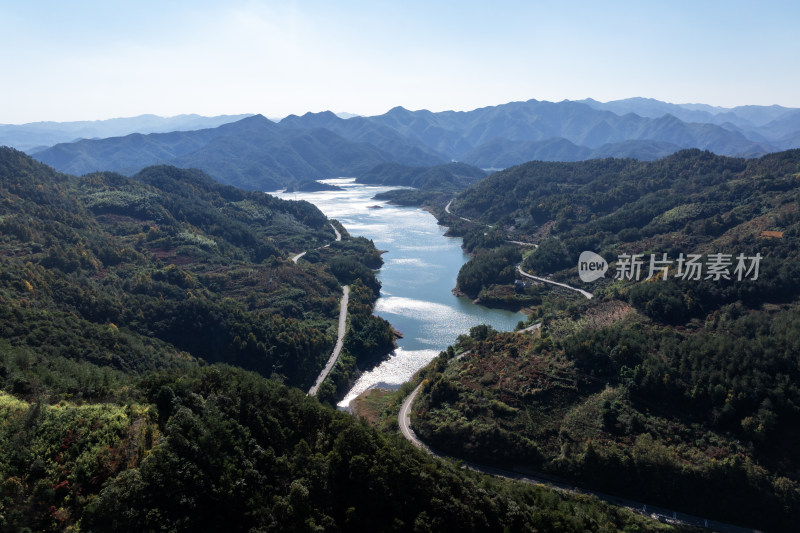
(80, 60)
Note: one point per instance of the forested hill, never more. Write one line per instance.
(677, 385)
(116, 293)
(168, 258)
(690, 202)
(607, 196)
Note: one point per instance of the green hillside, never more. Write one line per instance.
(116, 295)
(219, 449)
(691, 202)
(682, 392)
(169, 256)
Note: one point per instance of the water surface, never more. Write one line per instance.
(418, 275)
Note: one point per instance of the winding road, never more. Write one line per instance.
(404, 420)
(588, 295)
(447, 210)
(297, 257)
(538, 478)
(337, 349)
(338, 235)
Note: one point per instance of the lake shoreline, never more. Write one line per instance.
(421, 266)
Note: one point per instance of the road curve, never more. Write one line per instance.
(588, 295)
(298, 256)
(537, 478)
(336, 231)
(339, 342)
(338, 235)
(531, 329)
(447, 210)
(404, 419)
(404, 416)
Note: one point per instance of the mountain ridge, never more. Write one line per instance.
(34, 136)
(257, 153)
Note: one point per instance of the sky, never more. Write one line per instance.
(91, 60)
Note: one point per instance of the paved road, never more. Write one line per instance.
(537, 478)
(338, 235)
(531, 329)
(447, 210)
(664, 515)
(339, 342)
(336, 231)
(520, 243)
(297, 257)
(404, 419)
(588, 295)
(342, 326)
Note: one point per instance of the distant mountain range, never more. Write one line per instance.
(36, 136)
(461, 135)
(773, 124)
(253, 153)
(258, 153)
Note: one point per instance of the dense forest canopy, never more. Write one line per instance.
(679, 389)
(690, 203)
(116, 295)
(168, 255)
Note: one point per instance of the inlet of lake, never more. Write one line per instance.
(419, 272)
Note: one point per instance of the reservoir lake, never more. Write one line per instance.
(419, 272)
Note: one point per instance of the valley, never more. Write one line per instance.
(648, 389)
(418, 267)
(157, 307)
(155, 331)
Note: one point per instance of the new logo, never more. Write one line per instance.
(591, 266)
